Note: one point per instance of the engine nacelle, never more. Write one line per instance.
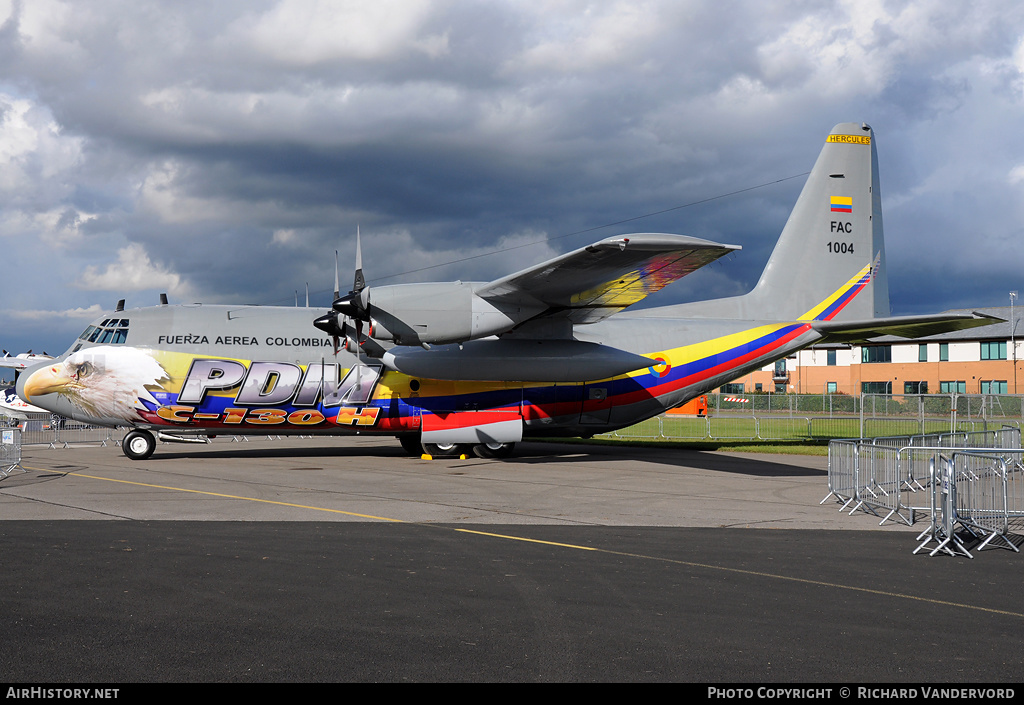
(441, 312)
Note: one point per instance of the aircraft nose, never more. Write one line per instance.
(39, 381)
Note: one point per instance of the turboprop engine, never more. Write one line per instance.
(413, 314)
(416, 314)
(440, 312)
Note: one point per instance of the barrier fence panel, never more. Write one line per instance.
(10, 451)
(651, 428)
(684, 428)
(834, 427)
(942, 527)
(783, 428)
(982, 505)
(58, 432)
(732, 427)
(878, 481)
(842, 472)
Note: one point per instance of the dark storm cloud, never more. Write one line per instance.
(225, 151)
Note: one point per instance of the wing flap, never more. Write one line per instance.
(594, 282)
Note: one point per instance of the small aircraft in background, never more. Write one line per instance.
(454, 367)
(15, 407)
(11, 404)
(19, 362)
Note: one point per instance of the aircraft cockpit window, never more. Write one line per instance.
(112, 330)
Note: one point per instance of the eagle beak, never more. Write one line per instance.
(46, 381)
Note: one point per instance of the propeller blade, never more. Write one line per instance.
(337, 286)
(358, 283)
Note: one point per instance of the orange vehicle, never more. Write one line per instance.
(694, 407)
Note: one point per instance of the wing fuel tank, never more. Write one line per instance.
(516, 361)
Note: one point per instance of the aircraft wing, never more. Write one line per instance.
(19, 362)
(599, 280)
(902, 326)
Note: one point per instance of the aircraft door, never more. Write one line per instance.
(597, 406)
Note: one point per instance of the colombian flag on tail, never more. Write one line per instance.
(842, 204)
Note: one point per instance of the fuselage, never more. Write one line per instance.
(222, 369)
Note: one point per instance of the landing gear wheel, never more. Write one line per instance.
(138, 445)
(411, 443)
(446, 450)
(494, 450)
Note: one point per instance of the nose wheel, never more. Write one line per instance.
(138, 444)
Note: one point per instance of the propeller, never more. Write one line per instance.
(349, 312)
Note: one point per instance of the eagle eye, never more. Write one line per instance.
(83, 370)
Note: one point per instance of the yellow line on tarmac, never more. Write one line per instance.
(706, 566)
(232, 496)
(821, 583)
(523, 538)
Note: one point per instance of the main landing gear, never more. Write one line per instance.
(412, 445)
(138, 444)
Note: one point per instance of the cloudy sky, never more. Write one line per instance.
(221, 152)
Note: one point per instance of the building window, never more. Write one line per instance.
(995, 386)
(830, 358)
(758, 387)
(943, 352)
(831, 387)
(922, 352)
(915, 387)
(732, 388)
(993, 350)
(953, 387)
(876, 387)
(876, 353)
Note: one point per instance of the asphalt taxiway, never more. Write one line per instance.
(342, 559)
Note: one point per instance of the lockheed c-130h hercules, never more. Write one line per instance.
(550, 350)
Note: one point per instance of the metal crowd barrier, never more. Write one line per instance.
(10, 451)
(967, 481)
(58, 432)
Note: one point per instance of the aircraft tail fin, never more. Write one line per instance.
(829, 262)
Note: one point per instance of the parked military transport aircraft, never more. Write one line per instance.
(545, 351)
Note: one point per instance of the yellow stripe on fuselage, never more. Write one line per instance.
(854, 280)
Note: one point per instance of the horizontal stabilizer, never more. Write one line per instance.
(901, 326)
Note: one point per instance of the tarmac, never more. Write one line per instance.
(344, 560)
